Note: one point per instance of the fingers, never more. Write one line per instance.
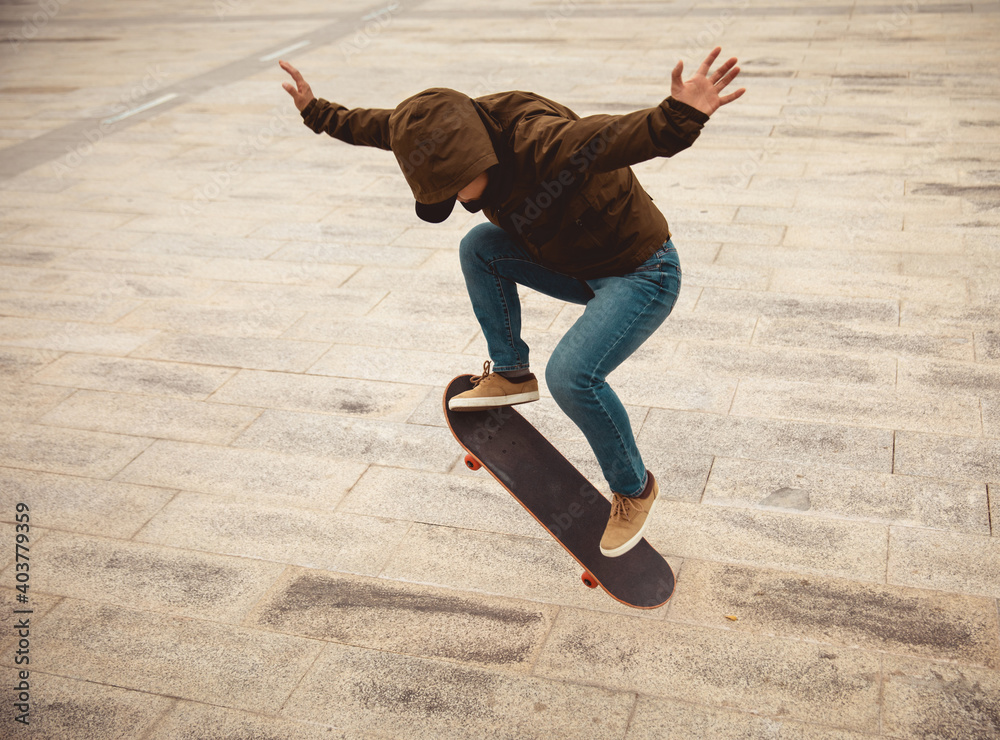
(721, 71)
(721, 84)
(296, 75)
(678, 70)
(724, 99)
(709, 61)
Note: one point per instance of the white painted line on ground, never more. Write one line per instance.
(287, 49)
(141, 108)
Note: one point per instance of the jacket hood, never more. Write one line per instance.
(440, 143)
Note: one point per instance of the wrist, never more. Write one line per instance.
(691, 111)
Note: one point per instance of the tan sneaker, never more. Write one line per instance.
(629, 517)
(492, 390)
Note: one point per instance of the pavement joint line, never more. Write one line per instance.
(287, 50)
(140, 109)
(52, 145)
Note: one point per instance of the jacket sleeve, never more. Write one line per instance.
(359, 126)
(603, 143)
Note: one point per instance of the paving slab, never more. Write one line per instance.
(769, 539)
(71, 336)
(320, 394)
(22, 271)
(84, 505)
(400, 333)
(667, 719)
(854, 406)
(277, 534)
(253, 475)
(171, 656)
(192, 720)
(930, 700)
(838, 611)
(85, 710)
(973, 459)
(485, 631)
(767, 439)
(382, 443)
(716, 667)
(122, 264)
(988, 346)
(65, 308)
(947, 561)
(276, 272)
(972, 378)
(782, 305)
(875, 340)
(126, 375)
(17, 364)
(464, 501)
(976, 315)
(140, 576)
(871, 285)
(884, 498)
(272, 301)
(239, 352)
(261, 321)
(421, 698)
(151, 416)
(787, 364)
(27, 402)
(68, 451)
(391, 364)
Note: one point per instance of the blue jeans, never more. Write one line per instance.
(621, 313)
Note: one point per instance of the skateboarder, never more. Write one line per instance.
(567, 218)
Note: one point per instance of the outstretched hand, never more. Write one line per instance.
(702, 90)
(301, 93)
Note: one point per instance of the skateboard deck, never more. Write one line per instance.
(557, 495)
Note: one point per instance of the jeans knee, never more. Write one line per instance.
(563, 377)
(470, 248)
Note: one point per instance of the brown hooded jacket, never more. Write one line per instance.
(562, 185)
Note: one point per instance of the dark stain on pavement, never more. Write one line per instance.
(509, 631)
(882, 615)
(984, 196)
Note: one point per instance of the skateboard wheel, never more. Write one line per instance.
(472, 463)
(588, 580)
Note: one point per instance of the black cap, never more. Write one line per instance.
(435, 213)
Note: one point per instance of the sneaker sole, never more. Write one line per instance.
(481, 404)
(622, 549)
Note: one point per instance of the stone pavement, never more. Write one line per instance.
(223, 342)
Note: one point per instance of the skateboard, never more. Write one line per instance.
(557, 495)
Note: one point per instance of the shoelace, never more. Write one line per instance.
(477, 379)
(622, 507)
